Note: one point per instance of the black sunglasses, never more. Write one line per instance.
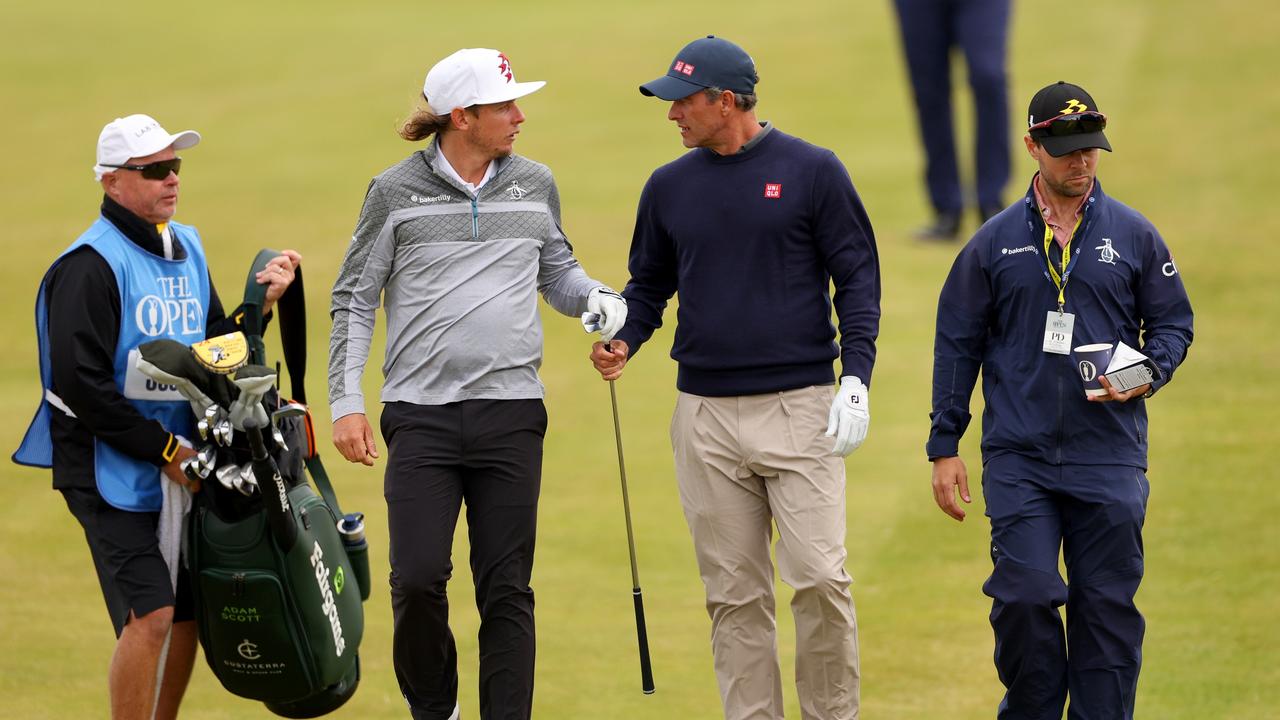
(1074, 124)
(158, 170)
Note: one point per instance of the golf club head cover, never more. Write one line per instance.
(170, 362)
(246, 411)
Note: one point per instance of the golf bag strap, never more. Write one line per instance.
(321, 478)
(291, 316)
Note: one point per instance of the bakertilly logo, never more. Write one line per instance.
(329, 606)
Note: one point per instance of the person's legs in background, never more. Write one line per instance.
(927, 39)
(982, 30)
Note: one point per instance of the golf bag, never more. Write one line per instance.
(279, 574)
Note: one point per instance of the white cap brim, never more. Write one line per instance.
(183, 140)
(509, 92)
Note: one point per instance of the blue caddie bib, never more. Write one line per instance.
(159, 298)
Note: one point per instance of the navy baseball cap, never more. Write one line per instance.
(703, 63)
(1064, 118)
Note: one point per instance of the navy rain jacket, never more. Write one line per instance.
(991, 315)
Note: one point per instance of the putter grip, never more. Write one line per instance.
(642, 636)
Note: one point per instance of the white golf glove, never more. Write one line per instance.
(850, 415)
(610, 309)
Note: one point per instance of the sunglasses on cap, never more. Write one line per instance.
(158, 170)
(1074, 124)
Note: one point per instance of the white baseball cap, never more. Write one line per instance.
(136, 136)
(474, 76)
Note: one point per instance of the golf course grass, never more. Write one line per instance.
(298, 103)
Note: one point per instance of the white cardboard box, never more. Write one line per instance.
(1129, 369)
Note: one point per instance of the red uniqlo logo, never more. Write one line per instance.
(679, 66)
(773, 191)
(688, 69)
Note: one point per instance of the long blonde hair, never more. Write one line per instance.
(423, 123)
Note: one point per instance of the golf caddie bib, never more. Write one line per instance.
(159, 298)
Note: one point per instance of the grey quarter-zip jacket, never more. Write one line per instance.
(458, 275)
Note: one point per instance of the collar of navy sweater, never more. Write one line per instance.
(139, 231)
(748, 148)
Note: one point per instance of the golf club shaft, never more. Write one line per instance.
(642, 634)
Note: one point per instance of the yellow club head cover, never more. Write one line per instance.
(223, 354)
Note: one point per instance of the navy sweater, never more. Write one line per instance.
(991, 315)
(752, 242)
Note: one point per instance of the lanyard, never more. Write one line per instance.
(1060, 281)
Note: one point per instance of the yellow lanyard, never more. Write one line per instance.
(1060, 280)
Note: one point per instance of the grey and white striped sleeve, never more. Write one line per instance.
(561, 279)
(357, 294)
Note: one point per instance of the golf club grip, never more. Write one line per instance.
(275, 495)
(642, 636)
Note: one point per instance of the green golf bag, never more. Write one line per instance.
(279, 577)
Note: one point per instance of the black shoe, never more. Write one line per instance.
(945, 228)
(986, 213)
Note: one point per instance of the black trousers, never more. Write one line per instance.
(488, 454)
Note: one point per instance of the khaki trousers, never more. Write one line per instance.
(743, 464)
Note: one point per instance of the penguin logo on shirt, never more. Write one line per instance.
(1108, 254)
(515, 192)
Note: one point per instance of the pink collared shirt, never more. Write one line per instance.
(1061, 227)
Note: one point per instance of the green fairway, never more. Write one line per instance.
(298, 105)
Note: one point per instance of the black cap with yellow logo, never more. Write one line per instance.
(1064, 118)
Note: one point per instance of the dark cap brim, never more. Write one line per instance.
(669, 88)
(1065, 144)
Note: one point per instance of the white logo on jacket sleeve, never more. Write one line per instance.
(1169, 269)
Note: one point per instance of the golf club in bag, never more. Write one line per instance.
(591, 322)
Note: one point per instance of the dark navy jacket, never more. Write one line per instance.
(991, 315)
(753, 242)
